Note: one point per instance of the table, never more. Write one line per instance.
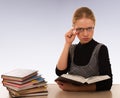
(55, 92)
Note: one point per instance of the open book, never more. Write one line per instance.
(76, 79)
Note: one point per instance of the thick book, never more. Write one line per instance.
(78, 80)
(23, 82)
(19, 74)
(26, 87)
(33, 95)
(29, 91)
(33, 82)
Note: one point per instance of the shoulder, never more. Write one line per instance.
(103, 50)
(103, 47)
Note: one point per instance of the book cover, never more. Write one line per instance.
(19, 74)
(22, 82)
(78, 80)
(32, 95)
(35, 94)
(33, 82)
(29, 91)
(27, 87)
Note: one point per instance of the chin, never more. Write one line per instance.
(85, 42)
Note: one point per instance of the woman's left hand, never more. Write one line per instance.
(70, 87)
(65, 86)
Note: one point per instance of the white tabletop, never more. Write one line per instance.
(55, 92)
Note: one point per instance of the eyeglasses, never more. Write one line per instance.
(80, 30)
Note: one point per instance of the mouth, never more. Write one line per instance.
(85, 39)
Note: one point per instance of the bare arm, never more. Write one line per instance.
(62, 62)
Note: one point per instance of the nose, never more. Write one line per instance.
(85, 33)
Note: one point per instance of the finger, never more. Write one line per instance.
(68, 35)
(59, 83)
(74, 31)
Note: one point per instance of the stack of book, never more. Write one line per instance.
(24, 83)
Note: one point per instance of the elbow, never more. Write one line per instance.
(104, 85)
(60, 72)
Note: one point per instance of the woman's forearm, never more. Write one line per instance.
(76, 88)
(90, 87)
(62, 62)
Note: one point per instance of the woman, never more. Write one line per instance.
(87, 58)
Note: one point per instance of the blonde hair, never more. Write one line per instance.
(83, 12)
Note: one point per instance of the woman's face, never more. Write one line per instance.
(84, 29)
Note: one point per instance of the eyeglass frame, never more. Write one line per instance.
(80, 30)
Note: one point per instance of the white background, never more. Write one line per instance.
(32, 32)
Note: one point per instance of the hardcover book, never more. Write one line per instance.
(32, 95)
(19, 74)
(28, 84)
(29, 91)
(22, 82)
(26, 87)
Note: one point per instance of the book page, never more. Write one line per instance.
(74, 77)
(94, 79)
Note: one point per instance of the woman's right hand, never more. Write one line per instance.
(70, 36)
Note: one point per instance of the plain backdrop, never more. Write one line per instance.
(32, 32)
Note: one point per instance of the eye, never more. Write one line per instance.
(89, 29)
(79, 30)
